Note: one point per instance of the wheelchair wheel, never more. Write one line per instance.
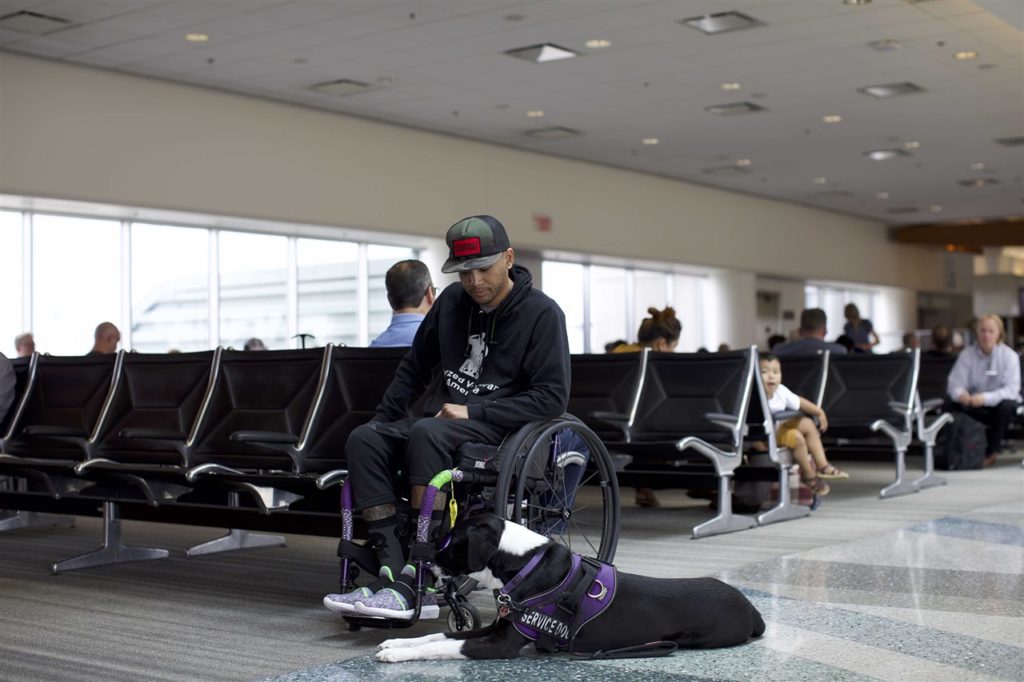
(471, 615)
(564, 497)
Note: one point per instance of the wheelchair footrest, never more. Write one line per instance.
(362, 555)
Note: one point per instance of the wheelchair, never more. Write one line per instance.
(569, 496)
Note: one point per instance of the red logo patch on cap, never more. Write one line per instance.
(466, 247)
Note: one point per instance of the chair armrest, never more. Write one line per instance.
(275, 437)
(151, 434)
(610, 417)
(66, 431)
(722, 420)
(931, 404)
(897, 406)
(787, 414)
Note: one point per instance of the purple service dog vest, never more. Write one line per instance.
(542, 617)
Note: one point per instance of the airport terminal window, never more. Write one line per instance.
(170, 288)
(12, 320)
(608, 307)
(328, 274)
(253, 283)
(564, 282)
(833, 299)
(76, 281)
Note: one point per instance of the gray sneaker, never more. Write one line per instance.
(398, 599)
(345, 603)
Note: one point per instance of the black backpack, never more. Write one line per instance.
(961, 444)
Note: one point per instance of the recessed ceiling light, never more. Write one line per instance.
(721, 22)
(197, 37)
(885, 90)
(553, 133)
(977, 166)
(734, 108)
(882, 195)
(598, 43)
(730, 86)
(913, 144)
(535, 113)
(820, 181)
(32, 22)
(545, 52)
(885, 154)
(965, 54)
(978, 182)
(650, 140)
(935, 208)
(832, 118)
(856, 2)
(725, 171)
(743, 163)
(885, 45)
(341, 88)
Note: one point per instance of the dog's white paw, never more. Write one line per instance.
(396, 655)
(403, 642)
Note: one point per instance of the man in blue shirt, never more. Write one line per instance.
(813, 327)
(410, 293)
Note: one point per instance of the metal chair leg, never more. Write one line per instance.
(725, 521)
(785, 510)
(113, 550)
(236, 538)
(929, 479)
(901, 486)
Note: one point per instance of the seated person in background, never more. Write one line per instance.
(846, 342)
(910, 341)
(861, 331)
(25, 344)
(500, 351)
(774, 340)
(660, 332)
(799, 434)
(723, 348)
(942, 342)
(612, 345)
(106, 337)
(813, 327)
(6, 385)
(254, 344)
(410, 295)
(985, 383)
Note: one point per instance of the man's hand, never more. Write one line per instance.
(965, 399)
(452, 411)
(977, 400)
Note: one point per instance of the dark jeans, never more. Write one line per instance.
(996, 419)
(421, 448)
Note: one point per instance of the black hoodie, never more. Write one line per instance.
(510, 366)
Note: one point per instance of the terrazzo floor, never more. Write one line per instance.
(935, 600)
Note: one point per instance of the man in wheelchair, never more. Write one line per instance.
(491, 355)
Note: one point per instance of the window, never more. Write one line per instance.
(76, 281)
(12, 317)
(170, 288)
(608, 300)
(328, 292)
(564, 283)
(253, 276)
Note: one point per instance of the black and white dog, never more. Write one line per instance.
(693, 613)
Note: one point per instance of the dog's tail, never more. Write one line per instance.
(757, 622)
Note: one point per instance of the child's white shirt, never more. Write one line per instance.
(783, 399)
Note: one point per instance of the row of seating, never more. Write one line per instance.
(204, 437)
(694, 415)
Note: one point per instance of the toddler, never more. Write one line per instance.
(800, 433)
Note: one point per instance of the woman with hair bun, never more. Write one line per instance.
(660, 332)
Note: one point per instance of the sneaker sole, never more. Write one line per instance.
(339, 607)
(427, 612)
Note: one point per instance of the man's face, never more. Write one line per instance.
(988, 335)
(489, 286)
(109, 341)
(26, 347)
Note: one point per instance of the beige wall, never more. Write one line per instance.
(78, 133)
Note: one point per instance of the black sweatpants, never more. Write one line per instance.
(996, 419)
(422, 448)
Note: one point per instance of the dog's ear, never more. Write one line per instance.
(481, 544)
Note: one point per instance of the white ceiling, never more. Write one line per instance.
(440, 65)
